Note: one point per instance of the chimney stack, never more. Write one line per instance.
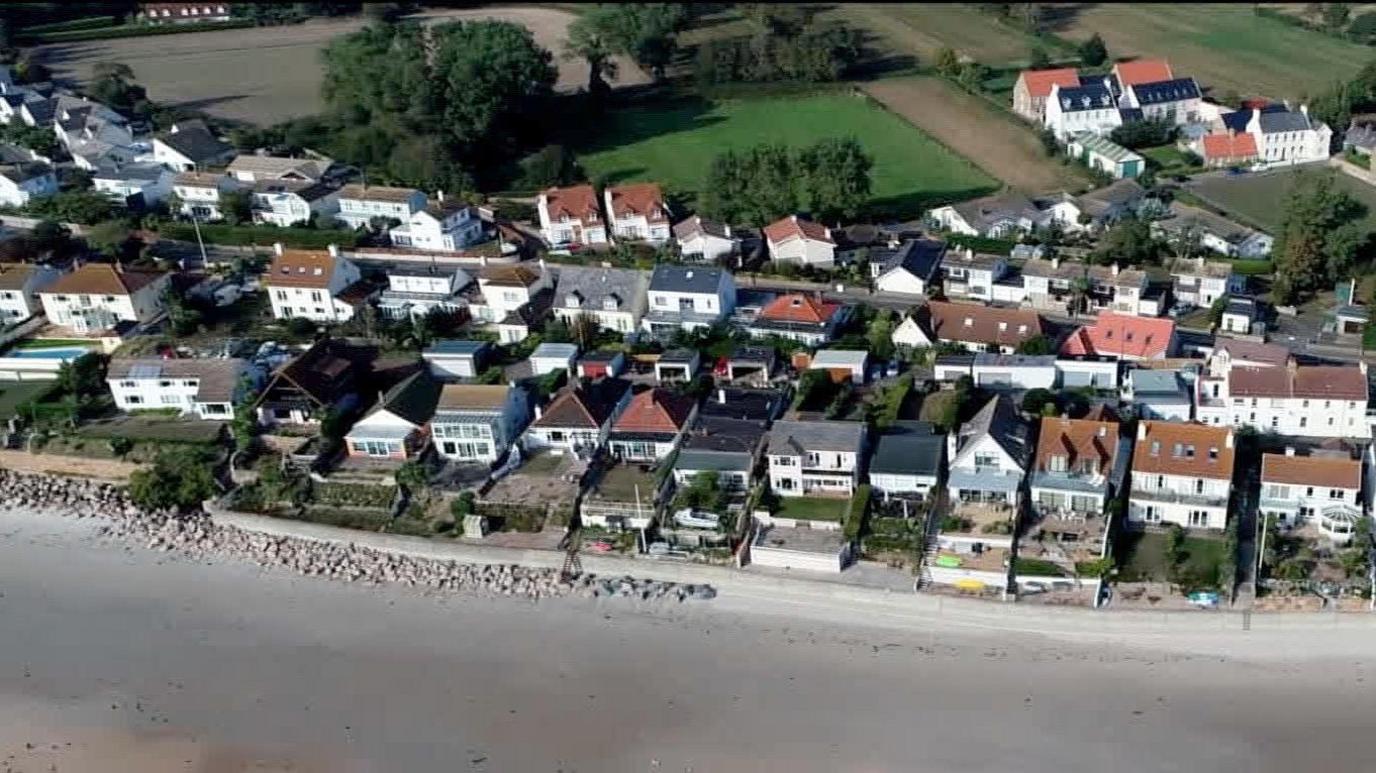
(440, 195)
(333, 249)
(539, 412)
(1116, 268)
(721, 396)
(1289, 450)
(277, 248)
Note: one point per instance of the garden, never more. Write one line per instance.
(1189, 561)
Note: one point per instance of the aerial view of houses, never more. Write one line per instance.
(1024, 377)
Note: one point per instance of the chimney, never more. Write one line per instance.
(1305, 109)
(1103, 431)
(721, 396)
(539, 412)
(333, 249)
(277, 248)
(1289, 450)
(542, 265)
(1142, 430)
(1115, 268)
(440, 195)
(1055, 262)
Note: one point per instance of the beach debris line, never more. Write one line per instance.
(198, 535)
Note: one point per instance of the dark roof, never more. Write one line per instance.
(747, 353)
(196, 142)
(1166, 91)
(1246, 307)
(908, 448)
(999, 420)
(920, 257)
(724, 435)
(320, 372)
(414, 399)
(1274, 121)
(686, 279)
(584, 405)
(1093, 96)
(25, 171)
(760, 405)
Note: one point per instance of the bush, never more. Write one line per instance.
(136, 31)
(179, 481)
(1036, 399)
(264, 236)
(859, 508)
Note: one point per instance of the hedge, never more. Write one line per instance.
(87, 23)
(247, 235)
(855, 517)
(137, 31)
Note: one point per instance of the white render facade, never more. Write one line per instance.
(17, 193)
(1334, 510)
(1189, 501)
(446, 231)
(135, 392)
(359, 210)
(92, 312)
(828, 472)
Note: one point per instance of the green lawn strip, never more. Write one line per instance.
(1037, 567)
(1146, 559)
(673, 142)
(813, 508)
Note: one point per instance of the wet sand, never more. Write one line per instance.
(115, 658)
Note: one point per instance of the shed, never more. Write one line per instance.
(842, 364)
(677, 365)
(450, 358)
(602, 364)
(548, 358)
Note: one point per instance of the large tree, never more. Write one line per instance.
(836, 177)
(492, 78)
(830, 178)
(1319, 238)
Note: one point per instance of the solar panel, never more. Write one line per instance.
(145, 371)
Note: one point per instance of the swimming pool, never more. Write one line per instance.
(55, 353)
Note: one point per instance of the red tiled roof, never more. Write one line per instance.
(1322, 382)
(1121, 335)
(1172, 448)
(102, 279)
(1221, 146)
(578, 202)
(1081, 441)
(982, 324)
(301, 268)
(1039, 82)
(794, 227)
(655, 410)
(1142, 71)
(638, 199)
(1329, 472)
(797, 307)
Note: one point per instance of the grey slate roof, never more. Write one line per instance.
(219, 377)
(456, 347)
(693, 226)
(1166, 91)
(985, 211)
(686, 279)
(801, 436)
(989, 359)
(715, 461)
(999, 420)
(908, 448)
(141, 172)
(195, 141)
(1360, 135)
(720, 435)
(758, 405)
(1184, 217)
(594, 285)
(26, 171)
(1116, 194)
(920, 257)
(1157, 384)
(1274, 122)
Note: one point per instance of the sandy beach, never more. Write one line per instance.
(116, 658)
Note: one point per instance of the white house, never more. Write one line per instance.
(1014, 371)
(183, 13)
(1176, 101)
(319, 285)
(190, 146)
(1097, 374)
(447, 225)
(1192, 228)
(973, 275)
(907, 268)
(1101, 154)
(1323, 490)
(1181, 474)
(198, 194)
(1240, 314)
(998, 216)
(397, 428)
(147, 184)
(290, 202)
(99, 296)
(808, 458)
(614, 297)
(22, 183)
(652, 425)
(799, 241)
(705, 240)
(854, 363)
(360, 205)
(1304, 400)
(504, 290)
(19, 286)
(1282, 136)
(687, 298)
(1158, 393)
(907, 459)
(911, 335)
(1074, 471)
(1199, 282)
(416, 292)
(571, 216)
(477, 423)
(989, 455)
(579, 418)
(1087, 108)
(638, 212)
(207, 388)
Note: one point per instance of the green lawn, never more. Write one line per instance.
(1259, 199)
(1165, 156)
(1223, 46)
(674, 143)
(1142, 557)
(14, 393)
(925, 28)
(812, 508)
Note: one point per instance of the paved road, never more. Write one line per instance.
(115, 659)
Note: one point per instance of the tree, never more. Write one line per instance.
(1036, 399)
(646, 32)
(1318, 239)
(1143, 134)
(82, 207)
(1336, 15)
(1216, 310)
(1028, 15)
(727, 188)
(1036, 345)
(109, 238)
(1093, 52)
(589, 40)
(947, 62)
(493, 79)
(1050, 145)
(179, 480)
(121, 446)
(1363, 28)
(1130, 242)
(879, 336)
(1038, 59)
(112, 83)
(584, 330)
(836, 177)
(412, 476)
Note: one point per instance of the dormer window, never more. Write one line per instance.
(1156, 448)
(1022, 328)
(611, 302)
(1059, 463)
(969, 322)
(573, 300)
(1003, 326)
(319, 271)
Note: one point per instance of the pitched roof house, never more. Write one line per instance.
(1142, 71)
(808, 458)
(204, 387)
(638, 212)
(798, 317)
(797, 240)
(397, 428)
(989, 454)
(579, 417)
(1034, 86)
(299, 392)
(1073, 470)
(571, 216)
(101, 296)
(319, 285)
(1123, 336)
(1228, 149)
(615, 297)
(1181, 474)
(707, 240)
(1324, 490)
(651, 425)
(908, 268)
(1000, 215)
(981, 328)
(907, 459)
(190, 145)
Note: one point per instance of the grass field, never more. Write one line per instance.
(1002, 146)
(1223, 46)
(1259, 199)
(812, 508)
(1144, 558)
(924, 29)
(675, 142)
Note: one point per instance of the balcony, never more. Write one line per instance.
(1175, 497)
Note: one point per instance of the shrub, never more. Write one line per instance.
(243, 235)
(859, 508)
(180, 481)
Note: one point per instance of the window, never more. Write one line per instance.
(171, 400)
(1309, 491)
(134, 400)
(986, 461)
(1335, 493)
(215, 409)
(129, 384)
(1199, 518)
(1058, 463)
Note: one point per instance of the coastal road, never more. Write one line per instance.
(115, 658)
